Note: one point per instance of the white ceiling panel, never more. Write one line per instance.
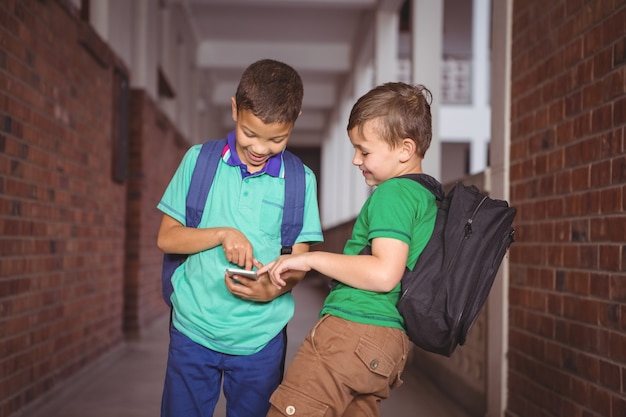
(316, 37)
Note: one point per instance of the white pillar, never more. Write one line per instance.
(141, 45)
(99, 17)
(386, 53)
(427, 53)
(481, 28)
(498, 302)
(360, 191)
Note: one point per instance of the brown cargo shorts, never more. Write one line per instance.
(342, 368)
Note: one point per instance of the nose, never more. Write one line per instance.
(356, 160)
(259, 149)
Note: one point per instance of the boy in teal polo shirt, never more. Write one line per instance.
(356, 352)
(221, 327)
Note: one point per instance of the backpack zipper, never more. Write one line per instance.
(468, 224)
(467, 232)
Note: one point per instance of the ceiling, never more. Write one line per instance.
(317, 37)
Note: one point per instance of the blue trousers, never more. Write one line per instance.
(194, 377)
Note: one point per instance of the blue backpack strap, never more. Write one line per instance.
(201, 180)
(293, 211)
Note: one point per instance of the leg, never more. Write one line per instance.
(311, 386)
(395, 343)
(250, 380)
(363, 406)
(342, 369)
(192, 380)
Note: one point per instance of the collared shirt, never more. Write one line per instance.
(204, 310)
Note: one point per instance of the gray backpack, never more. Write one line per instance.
(444, 293)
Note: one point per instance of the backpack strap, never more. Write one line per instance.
(430, 183)
(293, 210)
(201, 180)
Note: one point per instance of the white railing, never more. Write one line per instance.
(456, 79)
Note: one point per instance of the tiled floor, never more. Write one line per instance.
(130, 384)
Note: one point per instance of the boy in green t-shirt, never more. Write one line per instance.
(357, 350)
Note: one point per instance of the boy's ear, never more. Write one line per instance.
(233, 105)
(408, 149)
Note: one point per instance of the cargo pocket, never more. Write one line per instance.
(374, 358)
(290, 402)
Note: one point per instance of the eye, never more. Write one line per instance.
(249, 134)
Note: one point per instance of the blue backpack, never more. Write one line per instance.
(201, 180)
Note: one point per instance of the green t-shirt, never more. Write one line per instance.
(399, 208)
(204, 310)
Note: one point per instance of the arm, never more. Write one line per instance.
(173, 237)
(263, 290)
(379, 272)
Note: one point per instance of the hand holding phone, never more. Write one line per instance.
(242, 272)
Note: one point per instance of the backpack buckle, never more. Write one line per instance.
(285, 250)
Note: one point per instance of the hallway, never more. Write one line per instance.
(130, 383)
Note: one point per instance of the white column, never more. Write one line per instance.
(363, 82)
(498, 303)
(386, 44)
(140, 45)
(427, 53)
(99, 17)
(343, 191)
(481, 27)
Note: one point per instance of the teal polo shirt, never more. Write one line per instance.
(204, 310)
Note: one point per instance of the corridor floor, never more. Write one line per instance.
(130, 383)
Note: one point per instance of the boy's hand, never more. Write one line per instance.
(260, 290)
(237, 248)
(285, 265)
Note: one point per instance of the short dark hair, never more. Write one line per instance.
(271, 90)
(403, 111)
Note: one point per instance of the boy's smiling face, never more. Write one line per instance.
(257, 141)
(373, 156)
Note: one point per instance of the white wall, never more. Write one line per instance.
(148, 37)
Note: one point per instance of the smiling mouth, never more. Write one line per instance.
(256, 159)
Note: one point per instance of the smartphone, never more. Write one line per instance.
(242, 272)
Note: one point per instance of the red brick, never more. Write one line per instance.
(600, 401)
(610, 376)
(602, 118)
(599, 285)
(610, 257)
(618, 406)
(617, 286)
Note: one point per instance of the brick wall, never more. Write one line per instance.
(69, 290)
(567, 335)
(61, 215)
(155, 152)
